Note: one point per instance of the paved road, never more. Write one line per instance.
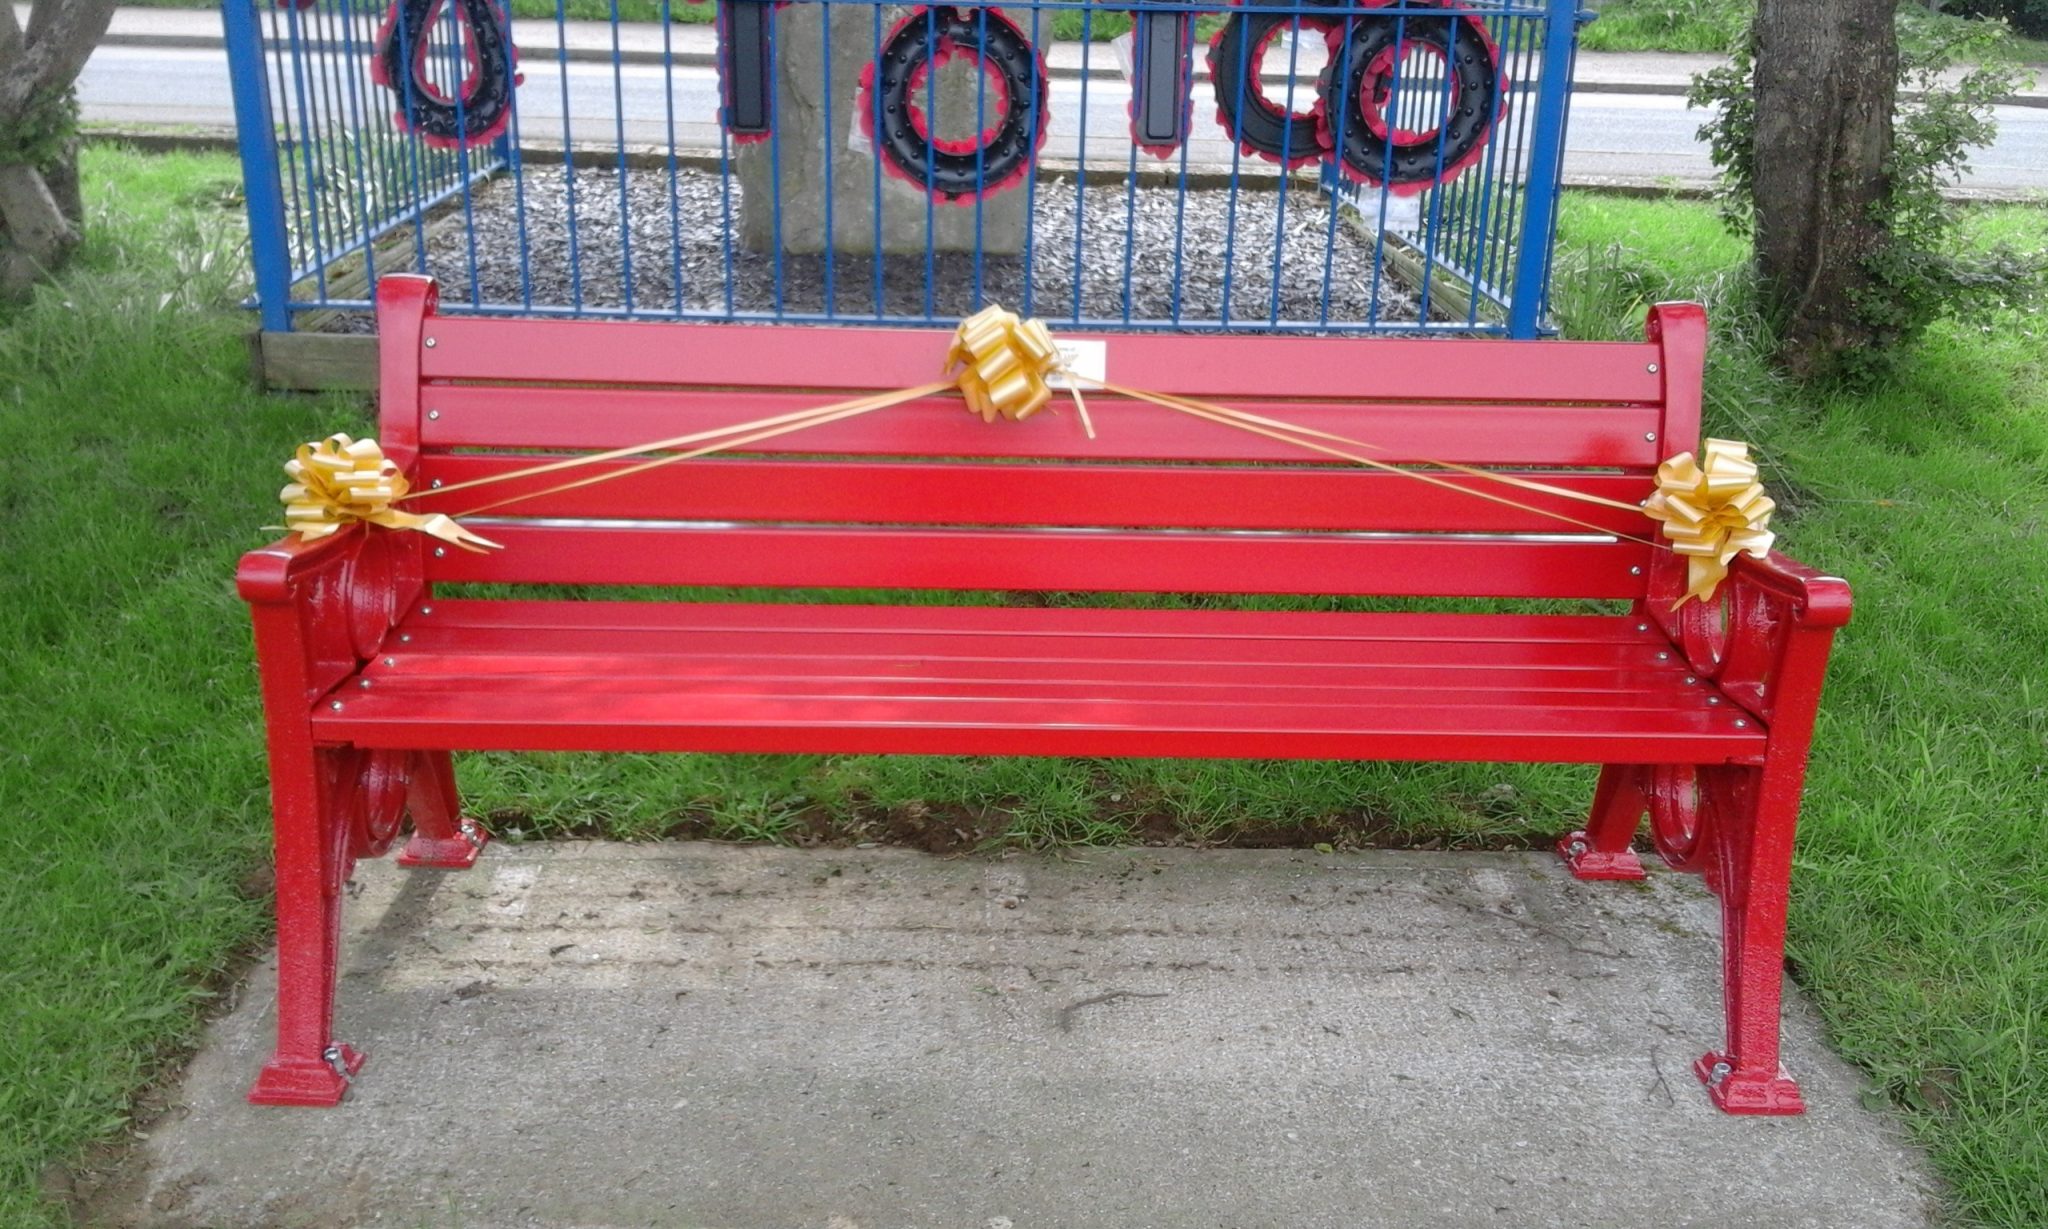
(1626, 135)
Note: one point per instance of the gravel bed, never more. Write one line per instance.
(1123, 243)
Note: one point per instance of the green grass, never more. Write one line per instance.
(1623, 25)
(1067, 25)
(132, 792)
(1920, 899)
(132, 808)
(1712, 26)
(1666, 25)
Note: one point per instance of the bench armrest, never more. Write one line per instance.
(1762, 640)
(268, 574)
(323, 608)
(1815, 599)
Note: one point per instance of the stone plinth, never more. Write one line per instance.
(802, 144)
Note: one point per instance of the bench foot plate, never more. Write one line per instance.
(307, 1081)
(453, 853)
(1746, 1092)
(1587, 862)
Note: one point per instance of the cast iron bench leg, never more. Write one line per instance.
(1601, 849)
(315, 794)
(308, 1067)
(1749, 866)
(1737, 832)
(441, 837)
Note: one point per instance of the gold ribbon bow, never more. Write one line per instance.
(1002, 363)
(339, 480)
(1713, 509)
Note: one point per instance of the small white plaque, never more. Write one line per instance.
(1121, 45)
(1087, 358)
(857, 136)
(857, 139)
(1402, 213)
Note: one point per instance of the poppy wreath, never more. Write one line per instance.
(896, 87)
(1260, 126)
(480, 109)
(1460, 98)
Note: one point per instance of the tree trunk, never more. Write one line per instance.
(1826, 78)
(62, 177)
(40, 209)
(35, 236)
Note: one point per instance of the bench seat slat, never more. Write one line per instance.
(766, 681)
(1493, 736)
(1158, 653)
(1205, 627)
(1050, 559)
(429, 670)
(1254, 662)
(1039, 494)
(1568, 433)
(860, 358)
(1164, 704)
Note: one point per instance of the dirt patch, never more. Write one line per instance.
(1125, 818)
(1157, 827)
(1367, 830)
(943, 828)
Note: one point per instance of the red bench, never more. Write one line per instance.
(1700, 717)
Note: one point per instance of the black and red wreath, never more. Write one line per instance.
(1377, 61)
(1443, 71)
(1262, 126)
(896, 91)
(480, 108)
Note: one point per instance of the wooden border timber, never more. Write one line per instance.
(316, 362)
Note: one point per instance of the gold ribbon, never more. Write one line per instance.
(998, 362)
(338, 481)
(1001, 362)
(1713, 509)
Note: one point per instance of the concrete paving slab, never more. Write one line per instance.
(698, 1035)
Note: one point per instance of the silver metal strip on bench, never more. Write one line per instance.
(554, 522)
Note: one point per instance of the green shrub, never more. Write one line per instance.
(1925, 273)
(2029, 17)
(1668, 25)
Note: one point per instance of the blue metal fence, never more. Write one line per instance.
(753, 169)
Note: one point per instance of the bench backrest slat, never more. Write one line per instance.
(1126, 496)
(1128, 562)
(927, 496)
(1618, 436)
(1314, 368)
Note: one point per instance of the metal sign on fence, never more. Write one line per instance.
(1287, 166)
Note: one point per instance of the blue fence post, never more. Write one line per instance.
(262, 184)
(1546, 168)
(503, 148)
(357, 174)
